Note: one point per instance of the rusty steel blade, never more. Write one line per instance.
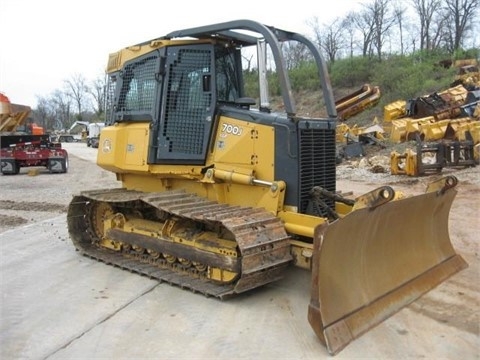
(373, 262)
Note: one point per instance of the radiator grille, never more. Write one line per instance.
(317, 164)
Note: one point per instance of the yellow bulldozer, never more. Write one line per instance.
(221, 195)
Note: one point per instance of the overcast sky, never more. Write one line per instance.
(45, 42)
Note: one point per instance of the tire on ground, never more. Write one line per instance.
(58, 164)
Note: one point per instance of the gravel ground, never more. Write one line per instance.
(27, 198)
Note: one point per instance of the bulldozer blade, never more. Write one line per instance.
(376, 260)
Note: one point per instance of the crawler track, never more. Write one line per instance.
(263, 244)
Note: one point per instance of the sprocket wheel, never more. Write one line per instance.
(98, 212)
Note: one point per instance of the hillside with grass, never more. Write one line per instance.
(398, 77)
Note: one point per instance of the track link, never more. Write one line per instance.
(260, 236)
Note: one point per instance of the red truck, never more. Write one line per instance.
(25, 144)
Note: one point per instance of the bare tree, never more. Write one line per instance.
(365, 25)
(399, 14)
(295, 53)
(61, 106)
(329, 37)
(247, 61)
(439, 31)
(348, 25)
(97, 91)
(426, 10)
(53, 112)
(461, 15)
(43, 113)
(382, 22)
(77, 89)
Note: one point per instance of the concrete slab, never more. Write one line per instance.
(57, 304)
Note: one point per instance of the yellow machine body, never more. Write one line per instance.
(220, 197)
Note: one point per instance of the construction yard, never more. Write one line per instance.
(57, 304)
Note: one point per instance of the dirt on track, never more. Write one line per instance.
(26, 199)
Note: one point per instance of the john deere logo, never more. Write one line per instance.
(107, 146)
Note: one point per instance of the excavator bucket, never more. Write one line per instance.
(378, 259)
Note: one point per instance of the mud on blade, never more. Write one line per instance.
(377, 260)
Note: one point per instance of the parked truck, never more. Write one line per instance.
(90, 132)
(25, 144)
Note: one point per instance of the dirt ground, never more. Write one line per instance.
(26, 199)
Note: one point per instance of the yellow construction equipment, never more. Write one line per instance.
(460, 127)
(429, 129)
(468, 75)
(357, 101)
(432, 157)
(345, 132)
(12, 115)
(220, 194)
(395, 110)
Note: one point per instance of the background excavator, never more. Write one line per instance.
(221, 196)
